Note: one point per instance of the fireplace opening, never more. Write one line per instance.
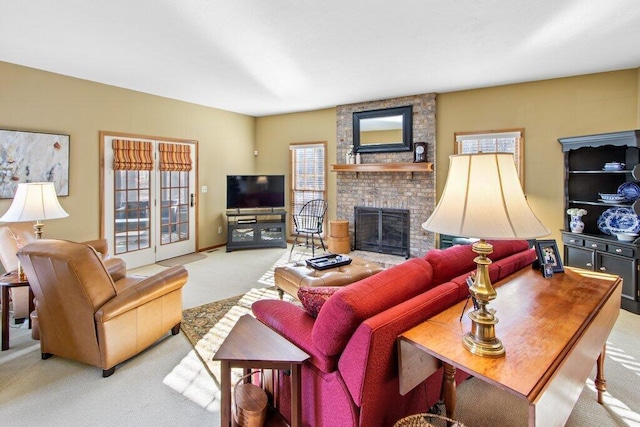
(382, 230)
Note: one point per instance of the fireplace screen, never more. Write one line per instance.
(382, 230)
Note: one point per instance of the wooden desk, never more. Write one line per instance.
(7, 281)
(251, 344)
(553, 330)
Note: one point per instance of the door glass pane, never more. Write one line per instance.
(131, 211)
(175, 206)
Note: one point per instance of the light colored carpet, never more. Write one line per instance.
(499, 408)
(168, 385)
(182, 260)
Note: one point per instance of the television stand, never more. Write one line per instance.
(253, 229)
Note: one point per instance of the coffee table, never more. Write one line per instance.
(8, 281)
(554, 331)
(252, 344)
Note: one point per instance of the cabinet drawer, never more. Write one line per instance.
(579, 257)
(595, 245)
(621, 250)
(570, 240)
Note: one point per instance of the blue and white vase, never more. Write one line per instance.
(576, 224)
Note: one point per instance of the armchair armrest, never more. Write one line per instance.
(140, 293)
(116, 267)
(294, 324)
(100, 245)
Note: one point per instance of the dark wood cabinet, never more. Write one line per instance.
(585, 178)
(256, 229)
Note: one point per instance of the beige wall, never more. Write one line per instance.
(547, 110)
(34, 100)
(275, 133)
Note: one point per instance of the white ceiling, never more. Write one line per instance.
(263, 57)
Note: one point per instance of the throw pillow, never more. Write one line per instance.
(312, 298)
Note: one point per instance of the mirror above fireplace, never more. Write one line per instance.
(383, 131)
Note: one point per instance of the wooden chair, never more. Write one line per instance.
(308, 222)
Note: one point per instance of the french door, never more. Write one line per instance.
(148, 205)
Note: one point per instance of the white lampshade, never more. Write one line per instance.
(34, 201)
(483, 199)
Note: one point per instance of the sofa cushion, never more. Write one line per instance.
(452, 262)
(313, 298)
(351, 305)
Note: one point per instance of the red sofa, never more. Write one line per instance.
(351, 378)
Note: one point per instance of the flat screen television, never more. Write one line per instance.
(255, 191)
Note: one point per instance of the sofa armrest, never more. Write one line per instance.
(140, 293)
(294, 324)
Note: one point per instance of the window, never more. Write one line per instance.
(308, 174)
(503, 141)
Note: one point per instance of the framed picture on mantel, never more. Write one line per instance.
(33, 157)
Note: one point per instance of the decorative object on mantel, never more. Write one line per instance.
(419, 152)
(483, 198)
(576, 224)
(349, 159)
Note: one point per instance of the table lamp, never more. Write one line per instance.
(35, 201)
(483, 199)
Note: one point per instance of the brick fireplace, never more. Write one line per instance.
(382, 230)
(413, 192)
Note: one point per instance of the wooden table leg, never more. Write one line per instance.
(225, 393)
(5, 318)
(296, 395)
(600, 381)
(449, 389)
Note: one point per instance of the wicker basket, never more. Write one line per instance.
(424, 420)
(250, 409)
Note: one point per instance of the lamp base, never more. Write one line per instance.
(482, 340)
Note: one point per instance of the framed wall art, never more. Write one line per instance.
(33, 157)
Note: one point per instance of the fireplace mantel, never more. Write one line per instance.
(384, 167)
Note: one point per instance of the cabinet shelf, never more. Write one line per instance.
(603, 172)
(606, 205)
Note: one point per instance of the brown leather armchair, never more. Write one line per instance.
(16, 234)
(86, 316)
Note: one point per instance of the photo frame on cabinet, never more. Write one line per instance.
(33, 157)
(548, 257)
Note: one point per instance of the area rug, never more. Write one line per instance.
(207, 326)
(182, 260)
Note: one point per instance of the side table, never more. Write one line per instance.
(7, 281)
(554, 330)
(251, 344)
